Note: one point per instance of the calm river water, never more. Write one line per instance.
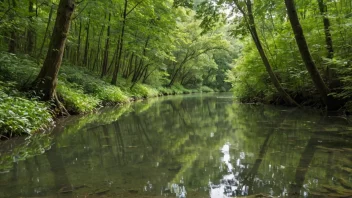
(203, 145)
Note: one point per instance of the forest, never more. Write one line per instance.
(175, 98)
(72, 57)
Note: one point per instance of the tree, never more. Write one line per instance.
(191, 44)
(328, 38)
(46, 80)
(30, 31)
(304, 51)
(13, 34)
(121, 38)
(250, 24)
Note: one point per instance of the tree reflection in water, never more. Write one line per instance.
(191, 146)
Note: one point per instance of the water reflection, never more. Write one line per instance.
(191, 146)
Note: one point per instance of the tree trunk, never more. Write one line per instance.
(91, 59)
(46, 81)
(99, 46)
(86, 48)
(139, 69)
(46, 32)
(304, 51)
(106, 52)
(252, 28)
(79, 43)
(13, 35)
(120, 43)
(31, 31)
(328, 37)
(112, 63)
(128, 68)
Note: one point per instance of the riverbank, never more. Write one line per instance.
(149, 147)
(80, 91)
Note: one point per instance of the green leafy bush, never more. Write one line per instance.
(112, 93)
(75, 100)
(179, 89)
(144, 91)
(206, 89)
(21, 116)
(93, 85)
(19, 69)
(165, 91)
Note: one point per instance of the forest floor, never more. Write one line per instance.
(79, 89)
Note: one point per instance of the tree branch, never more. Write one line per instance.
(134, 7)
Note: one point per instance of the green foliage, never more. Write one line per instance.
(155, 38)
(144, 91)
(19, 115)
(20, 69)
(165, 91)
(248, 77)
(91, 84)
(179, 89)
(206, 89)
(75, 100)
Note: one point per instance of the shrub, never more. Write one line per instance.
(144, 91)
(21, 116)
(92, 85)
(75, 100)
(179, 89)
(206, 89)
(165, 91)
(112, 93)
(14, 68)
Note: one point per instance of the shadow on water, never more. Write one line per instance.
(202, 145)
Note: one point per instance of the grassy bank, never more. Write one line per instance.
(80, 91)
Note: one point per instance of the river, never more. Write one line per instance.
(201, 145)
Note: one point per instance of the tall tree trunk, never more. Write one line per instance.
(13, 35)
(141, 62)
(31, 31)
(128, 68)
(304, 51)
(46, 32)
(79, 43)
(252, 29)
(328, 37)
(86, 48)
(46, 81)
(120, 43)
(106, 52)
(91, 59)
(99, 46)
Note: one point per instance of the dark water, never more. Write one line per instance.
(184, 146)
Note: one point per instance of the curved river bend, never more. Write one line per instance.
(203, 145)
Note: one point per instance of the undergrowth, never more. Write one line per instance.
(80, 90)
(19, 115)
